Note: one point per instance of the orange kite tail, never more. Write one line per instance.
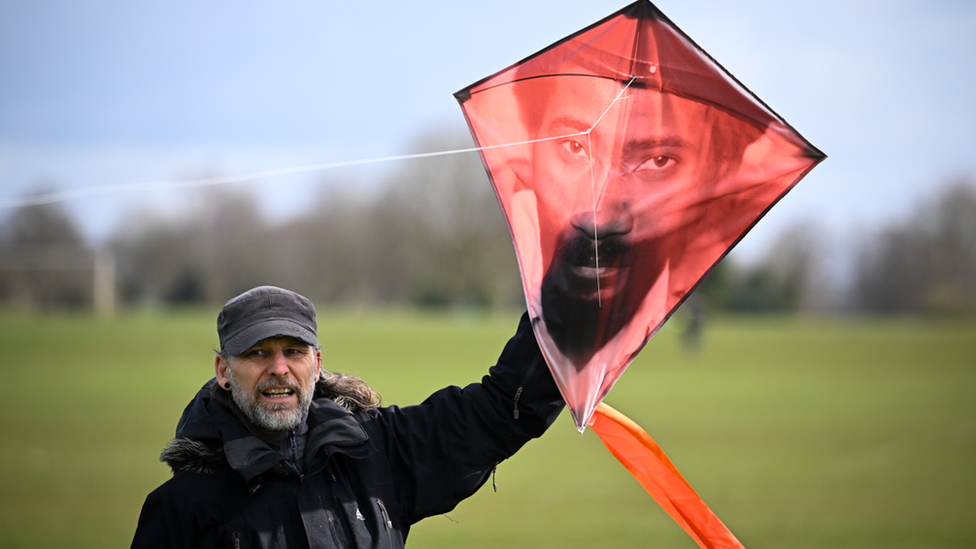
(638, 452)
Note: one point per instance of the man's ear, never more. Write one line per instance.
(220, 368)
(318, 365)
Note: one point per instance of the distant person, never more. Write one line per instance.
(691, 337)
(275, 451)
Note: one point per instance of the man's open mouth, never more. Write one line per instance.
(278, 392)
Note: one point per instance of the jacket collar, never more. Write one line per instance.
(331, 429)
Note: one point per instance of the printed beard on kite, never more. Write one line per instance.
(627, 163)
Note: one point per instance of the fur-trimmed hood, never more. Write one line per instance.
(184, 454)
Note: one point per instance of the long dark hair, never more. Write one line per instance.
(350, 392)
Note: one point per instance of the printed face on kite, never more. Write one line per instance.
(627, 163)
(615, 192)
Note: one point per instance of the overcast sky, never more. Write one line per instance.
(106, 92)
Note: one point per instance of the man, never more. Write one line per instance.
(277, 452)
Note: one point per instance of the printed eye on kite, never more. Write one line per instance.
(631, 126)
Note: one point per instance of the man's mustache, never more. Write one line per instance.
(581, 250)
(278, 382)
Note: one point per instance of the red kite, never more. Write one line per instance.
(627, 163)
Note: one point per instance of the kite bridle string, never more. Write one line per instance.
(593, 193)
(612, 103)
(596, 237)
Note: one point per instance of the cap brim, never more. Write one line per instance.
(250, 336)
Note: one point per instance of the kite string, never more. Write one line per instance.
(62, 196)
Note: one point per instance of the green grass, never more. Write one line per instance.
(797, 432)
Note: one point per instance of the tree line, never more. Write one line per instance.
(433, 236)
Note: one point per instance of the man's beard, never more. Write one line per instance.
(579, 322)
(271, 416)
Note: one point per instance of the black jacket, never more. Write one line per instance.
(367, 476)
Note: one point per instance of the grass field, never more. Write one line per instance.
(798, 433)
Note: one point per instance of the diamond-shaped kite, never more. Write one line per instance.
(627, 163)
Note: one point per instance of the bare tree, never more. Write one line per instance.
(432, 235)
(790, 277)
(45, 262)
(457, 226)
(926, 264)
(209, 251)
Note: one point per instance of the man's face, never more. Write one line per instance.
(609, 201)
(273, 381)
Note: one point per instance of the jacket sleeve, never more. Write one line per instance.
(442, 450)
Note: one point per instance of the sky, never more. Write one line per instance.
(119, 93)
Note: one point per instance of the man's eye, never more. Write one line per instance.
(658, 162)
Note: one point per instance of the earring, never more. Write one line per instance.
(227, 385)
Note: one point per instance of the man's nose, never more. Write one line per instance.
(279, 365)
(603, 223)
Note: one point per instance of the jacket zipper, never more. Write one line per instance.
(386, 516)
(525, 381)
(386, 520)
(237, 540)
